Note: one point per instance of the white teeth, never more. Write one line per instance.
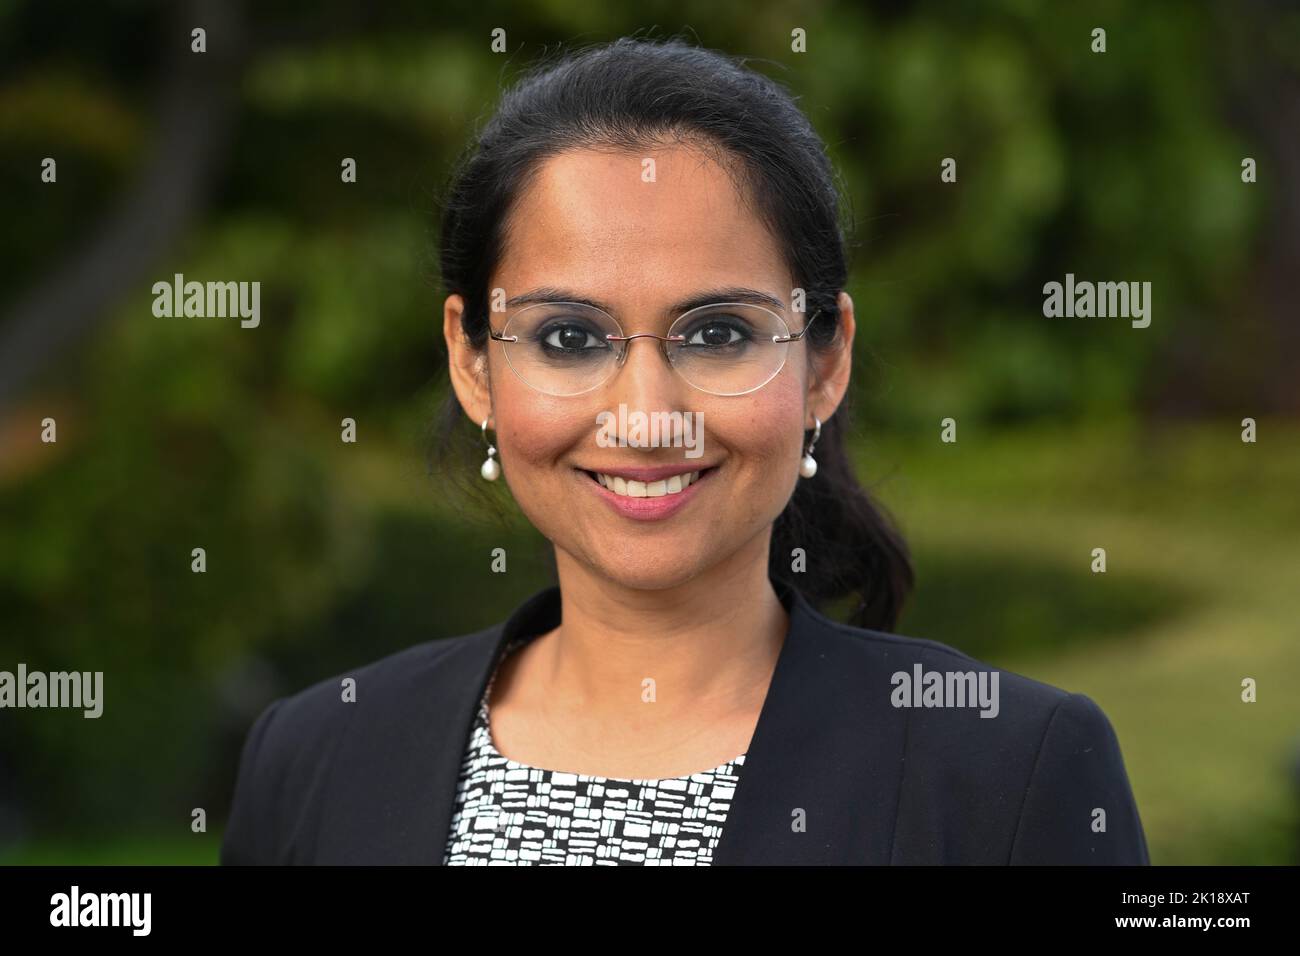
(643, 489)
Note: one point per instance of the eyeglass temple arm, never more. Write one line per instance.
(795, 336)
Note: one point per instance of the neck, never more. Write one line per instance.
(709, 643)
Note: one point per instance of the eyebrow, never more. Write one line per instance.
(704, 297)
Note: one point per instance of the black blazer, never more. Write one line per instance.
(373, 781)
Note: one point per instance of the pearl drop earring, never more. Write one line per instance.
(491, 469)
(808, 467)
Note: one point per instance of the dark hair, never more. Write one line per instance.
(632, 92)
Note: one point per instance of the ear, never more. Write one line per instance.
(829, 380)
(466, 365)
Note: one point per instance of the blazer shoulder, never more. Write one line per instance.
(875, 649)
(384, 680)
(288, 754)
(1043, 781)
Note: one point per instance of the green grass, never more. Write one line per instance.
(1202, 589)
(200, 849)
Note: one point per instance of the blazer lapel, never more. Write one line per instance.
(392, 792)
(823, 773)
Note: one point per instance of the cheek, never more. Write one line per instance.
(767, 430)
(536, 434)
(778, 420)
(530, 439)
(761, 436)
(531, 428)
(533, 433)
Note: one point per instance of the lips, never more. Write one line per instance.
(633, 497)
(648, 473)
(633, 488)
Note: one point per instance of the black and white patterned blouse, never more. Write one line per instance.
(509, 813)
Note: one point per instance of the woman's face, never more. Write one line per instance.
(591, 225)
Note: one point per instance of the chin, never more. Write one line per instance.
(635, 572)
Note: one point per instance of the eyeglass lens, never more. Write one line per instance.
(725, 349)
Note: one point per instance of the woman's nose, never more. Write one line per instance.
(646, 381)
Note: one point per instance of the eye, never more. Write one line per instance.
(719, 332)
(569, 337)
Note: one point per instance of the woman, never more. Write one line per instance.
(646, 324)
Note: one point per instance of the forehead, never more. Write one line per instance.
(593, 221)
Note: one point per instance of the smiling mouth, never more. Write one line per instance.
(665, 487)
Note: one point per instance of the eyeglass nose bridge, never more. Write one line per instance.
(648, 335)
(624, 350)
